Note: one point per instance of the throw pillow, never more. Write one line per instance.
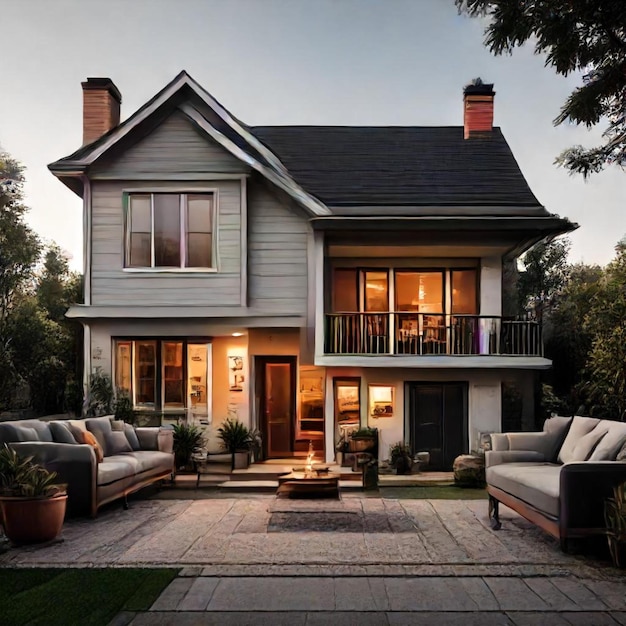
(587, 444)
(131, 435)
(100, 427)
(117, 425)
(621, 455)
(23, 433)
(92, 441)
(580, 427)
(117, 443)
(611, 443)
(61, 433)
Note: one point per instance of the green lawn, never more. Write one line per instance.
(77, 596)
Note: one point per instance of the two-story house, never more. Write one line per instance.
(304, 278)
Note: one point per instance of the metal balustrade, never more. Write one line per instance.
(418, 334)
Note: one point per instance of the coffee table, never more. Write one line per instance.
(298, 483)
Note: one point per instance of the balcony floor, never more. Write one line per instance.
(434, 361)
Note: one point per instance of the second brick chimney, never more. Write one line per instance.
(101, 108)
(478, 109)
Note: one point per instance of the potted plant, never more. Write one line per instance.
(32, 503)
(400, 457)
(615, 517)
(235, 438)
(123, 407)
(188, 440)
(363, 439)
(256, 444)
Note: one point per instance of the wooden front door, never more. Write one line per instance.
(278, 403)
(438, 421)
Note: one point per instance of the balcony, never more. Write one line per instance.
(428, 334)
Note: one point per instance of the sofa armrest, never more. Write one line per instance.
(583, 488)
(75, 465)
(513, 456)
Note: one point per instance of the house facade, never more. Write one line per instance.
(306, 280)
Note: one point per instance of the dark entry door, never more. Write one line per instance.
(438, 421)
(278, 405)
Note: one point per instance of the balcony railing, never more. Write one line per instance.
(417, 334)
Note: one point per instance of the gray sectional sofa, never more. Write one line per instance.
(132, 457)
(558, 478)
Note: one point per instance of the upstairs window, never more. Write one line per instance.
(170, 230)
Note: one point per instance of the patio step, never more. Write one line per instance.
(270, 486)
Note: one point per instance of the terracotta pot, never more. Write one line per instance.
(33, 520)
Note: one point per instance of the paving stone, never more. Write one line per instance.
(550, 594)
(220, 619)
(173, 594)
(619, 617)
(338, 618)
(360, 594)
(480, 593)
(613, 594)
(579, 594)
(428, 594)
(122, 619)
(547, 618)
(273, 594)
(448, 619)
(589, 619)
(199, 595)
(513, 594)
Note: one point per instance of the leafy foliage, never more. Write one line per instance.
(99, 399)
(235, 436)
(188, 440)
(400, 453)
(124, 407)
(615, 518)
(582, 36)
(20, 477)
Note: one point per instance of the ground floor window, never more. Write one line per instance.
(165, 374)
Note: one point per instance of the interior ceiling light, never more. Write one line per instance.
(237, 334)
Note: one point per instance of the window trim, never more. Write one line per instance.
(182, 192)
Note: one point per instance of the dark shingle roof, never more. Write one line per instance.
(401, 166)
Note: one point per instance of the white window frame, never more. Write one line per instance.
(182, 193)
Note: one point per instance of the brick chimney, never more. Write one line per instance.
(101, 108)
(478, 109)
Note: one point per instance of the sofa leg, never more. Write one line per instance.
(494, 513)
(564, 543)
(125, 502)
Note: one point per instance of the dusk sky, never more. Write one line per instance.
(341, 62)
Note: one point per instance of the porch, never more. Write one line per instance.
(418, 334)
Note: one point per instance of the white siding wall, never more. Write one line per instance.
(491, 286)
(277, 254)
(111, 285)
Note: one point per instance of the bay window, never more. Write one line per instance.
(170, 230)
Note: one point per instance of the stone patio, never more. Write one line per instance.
(260, 559)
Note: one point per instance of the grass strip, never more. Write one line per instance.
(433, 493)
(92, 597)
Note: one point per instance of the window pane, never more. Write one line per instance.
(419, 291)
(122, 366)
(407, 291)
(139, 250)
(345, 291)
(167, 230)
(199, 213)
(145, 372)
(173, 391)
(140, 214)
(464, 300)
(197, 379)
(376, 292)
(198, 250)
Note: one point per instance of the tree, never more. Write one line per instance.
(586, 36)
(19, 253)
(545, 272)
(606, 323)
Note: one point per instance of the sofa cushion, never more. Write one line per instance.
(536, 484)
(115, 468)
(611, 443)
(586, 445)
(579, 428)
(131, 435)
(61, 432)
(153, 461)
(621, 455)
(117, 425)
(117, 443)
(42, 428)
